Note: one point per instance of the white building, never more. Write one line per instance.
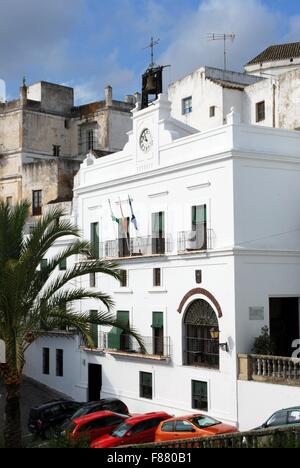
(215, 259)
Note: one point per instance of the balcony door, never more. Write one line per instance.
(284, 324)
(124, 238)
(158, 233)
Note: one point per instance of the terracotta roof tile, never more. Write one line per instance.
(278, 52)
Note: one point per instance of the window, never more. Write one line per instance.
(158, 233)
(63, 265)
(168, 427)
(44, 264)
(184, 426)
(158, 333)
(278, 419)
(92, 280)
(46, 361)
(198, 237)
(294, 417)
(9, 201)
(199, 395)
(124, 238)
(198, 276)
(117, 338)
(212, 111)
(123, 278)
(37, 203)
(90, 140)
(94, 328)
(146, 390)
(56, 151)
(59, 363)
(187, 105)
(260, 111)
(201, 350)
(157, 277)
(95, 239)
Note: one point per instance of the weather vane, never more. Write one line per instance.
(151, 46)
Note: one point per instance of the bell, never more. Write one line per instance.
(150, 84)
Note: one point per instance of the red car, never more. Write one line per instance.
(95, 425)
(135, 430)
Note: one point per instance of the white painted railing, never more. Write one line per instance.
(271, 369)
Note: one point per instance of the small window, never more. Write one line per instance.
(90, 140)
(123, 278)
(56, 151)
(9, 201)
(199, 395)
(187, 106)
(260, 111)
(168, 427)
(63, 265)
(46, 361)
(157, 277)
(278, 419)
(59, 363)
(44, 264)
(37, 203)
(92, 280)
(146, 390)
(198, 275)
(212, 111)
(184, 426)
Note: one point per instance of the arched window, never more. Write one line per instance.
(201, 349)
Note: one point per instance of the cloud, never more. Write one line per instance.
(34, 34)
(255, 25)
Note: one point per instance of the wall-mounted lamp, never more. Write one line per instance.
(215, 335)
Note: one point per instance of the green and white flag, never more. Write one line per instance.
(113, 217)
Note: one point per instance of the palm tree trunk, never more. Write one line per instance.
(12, 427)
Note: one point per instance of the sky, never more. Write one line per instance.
(88, 44)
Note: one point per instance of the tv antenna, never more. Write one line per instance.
(151, 46)
(222, 37)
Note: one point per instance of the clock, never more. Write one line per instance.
(146, 141)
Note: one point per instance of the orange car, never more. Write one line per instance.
(191, 427)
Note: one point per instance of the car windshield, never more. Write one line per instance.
(83, 411)
(204, 421)
(121, 430)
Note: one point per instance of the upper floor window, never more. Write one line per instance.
(158, 233)
(157, 277)
(187, 105)
(56, 151)
(90, 140)
(199, 227)
(212, 111)
(123, 278)
(260, 111)
(37, 203)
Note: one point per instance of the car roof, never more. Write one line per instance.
(189, 417)
(104, 401)
(93, 416)
(49, 404)
(144, 417)
(289, 409)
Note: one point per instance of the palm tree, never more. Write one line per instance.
(33, 301)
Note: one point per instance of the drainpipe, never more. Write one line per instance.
(274, 105)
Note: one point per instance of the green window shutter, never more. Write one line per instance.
(94, 327)
(44, 264)
(95, 239)
(158, 320)
(63, 265)
(114, 336)
(158, 224)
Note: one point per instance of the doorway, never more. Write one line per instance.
(95, 382)
(284, 324)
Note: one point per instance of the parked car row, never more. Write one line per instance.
(108, 424)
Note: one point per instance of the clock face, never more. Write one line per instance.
(146, 141)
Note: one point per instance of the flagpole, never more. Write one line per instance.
(134, 222)
(123, 224)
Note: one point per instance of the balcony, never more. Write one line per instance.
(137, 247)
(195, 241)
(269, 369)
(157, 349)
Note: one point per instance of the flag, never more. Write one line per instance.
(113, 217)
(133, 218)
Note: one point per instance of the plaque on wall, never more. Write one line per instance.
(257, 313)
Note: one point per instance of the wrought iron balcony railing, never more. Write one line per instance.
(197, 240)
(136, 247)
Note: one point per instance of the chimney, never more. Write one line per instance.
(108, 96)
(23, 93)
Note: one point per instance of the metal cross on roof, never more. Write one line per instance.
(151, 46)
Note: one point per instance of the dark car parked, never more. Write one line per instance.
(45, 419)
(284, 417)
(109, 404)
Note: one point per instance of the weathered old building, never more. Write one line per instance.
(44, 138)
